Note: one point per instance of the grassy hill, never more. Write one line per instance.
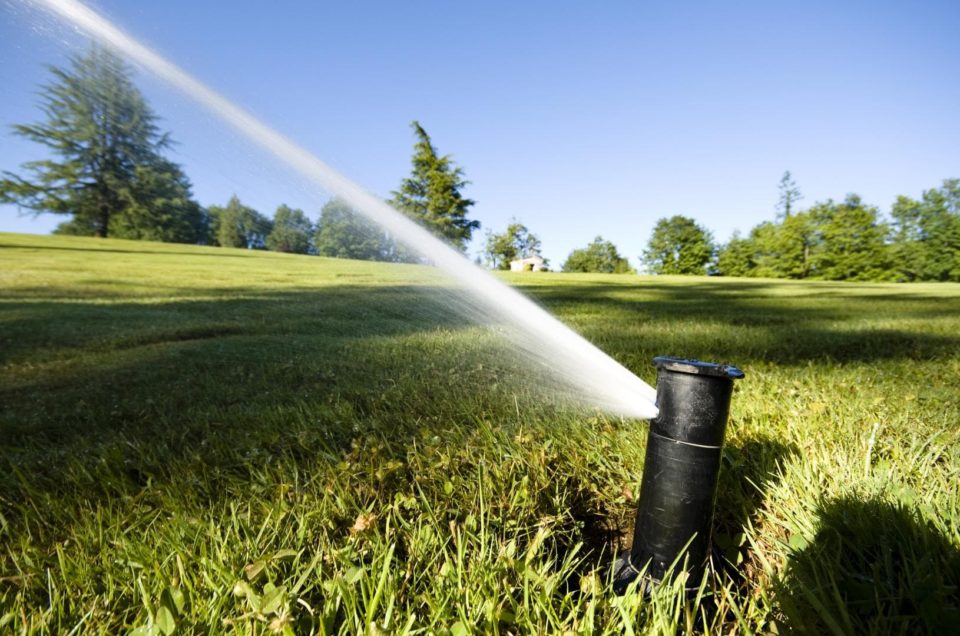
(204, 439)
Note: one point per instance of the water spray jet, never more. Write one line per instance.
(578, 368)
(672, 533)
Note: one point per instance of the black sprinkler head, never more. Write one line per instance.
(677, 493)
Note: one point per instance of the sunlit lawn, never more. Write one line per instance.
(208, 440)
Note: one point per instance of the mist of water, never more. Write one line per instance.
(587, 373)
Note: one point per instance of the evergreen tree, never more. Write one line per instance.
(342, 233)
(599, 256)
(432, 194)
(159, 207)
(236, 225)
(679, 246)
(291, 231)
(789, 195)
(513, 243)
(107, 170)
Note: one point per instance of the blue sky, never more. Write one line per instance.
(578, 119)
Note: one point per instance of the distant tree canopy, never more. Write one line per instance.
(513, 243)
(850, 240)
(831, 241)
(599, 256)
(679, 246)
(236, 225)
(432, 195)
(107, 169)
(343, 233)
(926, 234)
(733, 258)
(291, 231)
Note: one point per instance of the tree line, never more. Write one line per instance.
(830, 240)
(109, 174)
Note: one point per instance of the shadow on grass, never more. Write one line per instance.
(127, 387)
(748, 468)
(873, 567)
(56, 324)
(744, 321)
(168, 250)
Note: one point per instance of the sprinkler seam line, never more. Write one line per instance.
(677, 441)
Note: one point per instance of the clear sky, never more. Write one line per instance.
(577, 118)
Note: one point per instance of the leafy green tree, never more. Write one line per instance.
(679, 246)
(515, 242)
(291, 231)
(764, 238)
(236, 225)
(789, 195)
(342, 233)
(432, 194)
(736, 257)
(773, 250)
(794, 246)
(927, 234)
(106, 169)
(913, 246)
(599, 256)
(853, 241)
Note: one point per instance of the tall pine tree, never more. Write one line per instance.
(432, 196)
(107, 170)
(789, 195)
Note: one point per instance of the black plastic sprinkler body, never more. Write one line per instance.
(679, 485)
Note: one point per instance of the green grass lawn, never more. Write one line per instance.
(201, 440)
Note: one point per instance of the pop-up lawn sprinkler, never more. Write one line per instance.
(675, 510)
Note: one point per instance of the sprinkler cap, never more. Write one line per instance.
(696, 367)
